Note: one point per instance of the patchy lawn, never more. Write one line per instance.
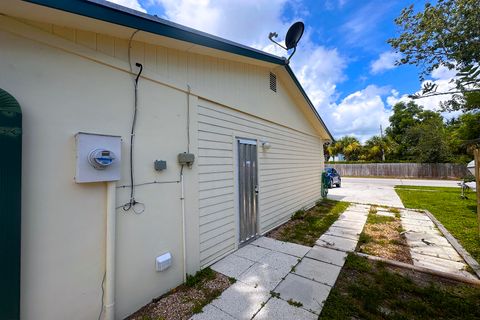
(382, 236)
(459, 216)
(187, 299)
(306, 227)
(372, 290)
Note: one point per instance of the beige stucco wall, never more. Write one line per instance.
(63, 223)
(70, 80)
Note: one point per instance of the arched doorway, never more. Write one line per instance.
(10, 204)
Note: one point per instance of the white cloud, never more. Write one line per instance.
(132, 4)
(318, 68)
(442, 77)
(359, 114)
(386, 61)
(248, 22)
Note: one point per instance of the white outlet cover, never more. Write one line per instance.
(163, 262)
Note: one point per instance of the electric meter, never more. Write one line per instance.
(101, 158)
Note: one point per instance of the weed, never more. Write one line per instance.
(364, 238)
(275, 294)
(394, 210)
(355, 262)
(294, 303)
(204, 274)
(396, 242)
(197, 308)
(299, 214)
(397, 215)
(292, 269)
(307, 226)
(373, 210)
(374, 218)
(232, 280)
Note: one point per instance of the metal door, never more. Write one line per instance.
(248, 189)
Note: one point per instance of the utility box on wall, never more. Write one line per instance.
(98, 157)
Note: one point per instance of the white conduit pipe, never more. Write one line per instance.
(182, 198)
(109, 298)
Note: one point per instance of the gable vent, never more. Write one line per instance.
(273, 82)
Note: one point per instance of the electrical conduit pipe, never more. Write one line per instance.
(109, 297)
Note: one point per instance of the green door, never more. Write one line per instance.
(10, 205)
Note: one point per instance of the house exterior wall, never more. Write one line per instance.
(289, 174)
(69, 80)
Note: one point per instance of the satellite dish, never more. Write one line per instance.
(294, 34)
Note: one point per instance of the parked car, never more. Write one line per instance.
(334, 177)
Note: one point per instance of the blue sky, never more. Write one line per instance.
(343, 61)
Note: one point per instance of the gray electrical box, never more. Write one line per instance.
(186, 158)
(160, 165)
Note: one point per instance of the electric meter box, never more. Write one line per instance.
(98, 157)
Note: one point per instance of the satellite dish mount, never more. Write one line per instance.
(292, 38)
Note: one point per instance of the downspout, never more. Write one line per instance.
(109, 298)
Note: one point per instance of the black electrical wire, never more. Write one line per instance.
(103, 294)
(127, 206)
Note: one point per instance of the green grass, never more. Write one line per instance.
(307, 226)
(459, 216)
(370, 290)
(375, 218)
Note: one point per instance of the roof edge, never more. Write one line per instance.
(120, 15)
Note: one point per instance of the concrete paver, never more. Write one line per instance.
(266, 265)
(263, 276)
(241, 300)
(253, 253)
(310, 293)
(338, 243)
(210, 312)
(280, 261)
(318, 271)
(349, 225)
(280, 246)
(335, 257)
(343, 233)
(278, 309)
(232, 265)
(428, 247)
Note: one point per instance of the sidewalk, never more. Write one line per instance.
(280, 280)
(428, 247)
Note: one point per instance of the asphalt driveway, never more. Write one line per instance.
(379, 191)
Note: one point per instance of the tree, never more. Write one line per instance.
(349, 146)
(404, 117)
(408, 125)
(445, 34)
(464, 135)
(374, 149)
(429, 141)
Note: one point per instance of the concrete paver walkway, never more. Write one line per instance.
(428, 247)
(270, 273)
